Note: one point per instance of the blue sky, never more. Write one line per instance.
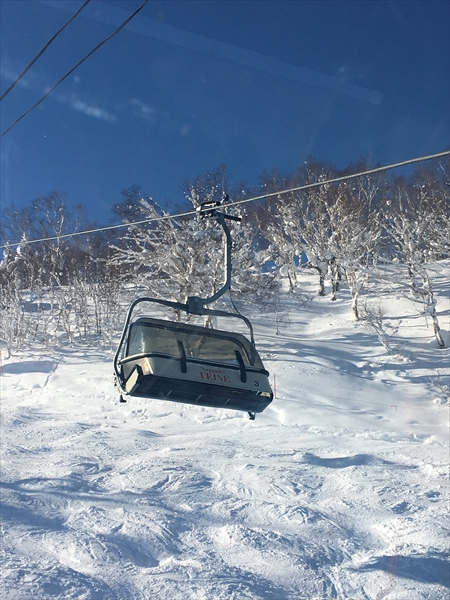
(188, 86)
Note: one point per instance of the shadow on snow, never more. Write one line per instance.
(427, 569)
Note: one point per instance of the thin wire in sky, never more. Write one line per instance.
(76, 67)
(247, 200)
(41, 52)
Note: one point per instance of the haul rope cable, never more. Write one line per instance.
(41, 52)
(76, 67)
(239, 202)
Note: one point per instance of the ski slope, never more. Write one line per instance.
(338, 490)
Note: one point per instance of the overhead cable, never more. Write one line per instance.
(76, 67)
(308, 186)
(41, 52)
(247, 200)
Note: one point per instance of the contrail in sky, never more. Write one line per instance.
(112, 15)
(73, 100)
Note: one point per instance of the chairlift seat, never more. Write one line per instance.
(188, 363)
(192, 364)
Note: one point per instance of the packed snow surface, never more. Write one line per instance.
(338, 490)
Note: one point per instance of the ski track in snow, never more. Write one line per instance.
(338, 490)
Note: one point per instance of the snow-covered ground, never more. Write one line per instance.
(338, 490)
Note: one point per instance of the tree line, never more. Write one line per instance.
(346, 231)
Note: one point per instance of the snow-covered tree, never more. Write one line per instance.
(355, 231)
(333, 224)
(178, 258)
(170, 258)
(284, 242)
(416, 219)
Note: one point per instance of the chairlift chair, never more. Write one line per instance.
(181, 362)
